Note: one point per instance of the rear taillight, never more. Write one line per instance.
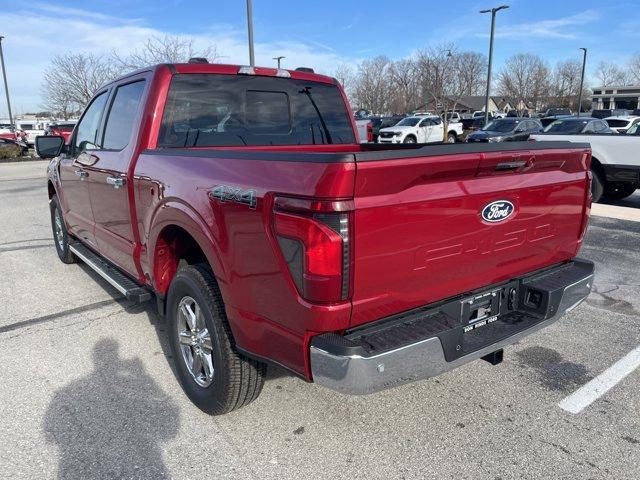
(314, 240)
(369, 132)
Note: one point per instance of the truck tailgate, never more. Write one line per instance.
(420, 235)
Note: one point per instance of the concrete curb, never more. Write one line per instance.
(613, 211)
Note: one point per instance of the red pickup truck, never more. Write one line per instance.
(240, 199)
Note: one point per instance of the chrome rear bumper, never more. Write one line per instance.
(338, 365)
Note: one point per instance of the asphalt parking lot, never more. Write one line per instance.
(87, 391)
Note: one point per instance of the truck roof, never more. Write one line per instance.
(228, 69)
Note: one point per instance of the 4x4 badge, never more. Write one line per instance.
(225, 193)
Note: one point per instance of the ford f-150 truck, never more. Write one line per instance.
(240, 199)
(615, 164)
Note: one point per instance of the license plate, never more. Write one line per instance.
(480, 310)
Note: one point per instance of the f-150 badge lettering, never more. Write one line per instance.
(225, 193)
(497, 211)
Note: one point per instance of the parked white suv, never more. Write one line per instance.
(420, 129)
(32, 129)
(622, 123)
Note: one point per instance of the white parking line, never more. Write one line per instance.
(590, 392)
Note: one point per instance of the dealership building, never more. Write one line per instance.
(616, 97)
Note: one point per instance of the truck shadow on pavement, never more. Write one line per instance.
(111, 423)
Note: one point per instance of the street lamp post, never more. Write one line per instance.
(252, 60)
(445, 120)
(6, 86)
(277, 59)
(584, 64)
(493, 29)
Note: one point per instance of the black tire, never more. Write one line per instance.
(451, 138)
(618, 190)
(409, 139)
(60, 235)
(236, 380)
(597, 186)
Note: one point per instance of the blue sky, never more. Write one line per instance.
(320, 34)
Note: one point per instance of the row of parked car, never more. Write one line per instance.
(429, 128)
(15, 140)
(615, 140)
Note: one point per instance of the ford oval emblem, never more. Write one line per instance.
(497, 211)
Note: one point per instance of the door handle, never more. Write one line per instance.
(81, 174)
(117, 182)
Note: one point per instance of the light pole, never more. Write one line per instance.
(252, 60)
(493, 29)
(445, 120)
(277, 59)
(584, 64)
(6, 86)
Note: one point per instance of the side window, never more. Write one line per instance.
(436, 121)
(424, 122)
(601, 126)
(589, 128)
(121, 115)
(86, 138)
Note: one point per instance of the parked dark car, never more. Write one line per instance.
(577, 125)
(608, 112)
(18, 144)
(475, 123)
(506, 130)
(12, 148)
(383, 122)
(552, 112)
(546, 121)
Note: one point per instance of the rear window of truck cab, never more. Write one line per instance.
(207, 110)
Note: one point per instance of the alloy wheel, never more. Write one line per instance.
(195, 341)
(59, 232)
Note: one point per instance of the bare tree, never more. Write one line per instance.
(609, 74)
(565, 84)
(524, 79)
(72, 79)
(634, 68)
(372, 87)
(446, 75)
(344, 74)
(471, 71)
(405, 86)
(436, 73)
(167, 49)
(57, 101)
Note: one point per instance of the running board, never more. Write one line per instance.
(124, 284)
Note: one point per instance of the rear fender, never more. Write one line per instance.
(182, 215)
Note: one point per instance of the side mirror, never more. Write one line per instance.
(49, 146)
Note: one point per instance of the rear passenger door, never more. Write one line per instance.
(423, 130)
(522, 131)
(436, 132)
(109, 186)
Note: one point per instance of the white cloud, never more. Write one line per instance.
(32, 39)
(564, 28)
